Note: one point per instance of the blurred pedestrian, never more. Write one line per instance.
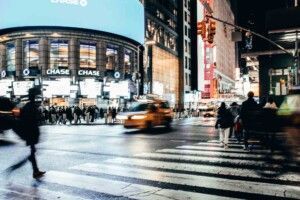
(271, 104)
(28, 130)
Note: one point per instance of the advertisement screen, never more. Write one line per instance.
(60, 87)
(122, 17)
(91, 89)
(22, 87)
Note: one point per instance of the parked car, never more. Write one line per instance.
(147, 114)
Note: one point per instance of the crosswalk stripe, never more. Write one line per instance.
(33, 193)
(196, 168)
(218, 144)
(215, 153)
(192, 180)
(206, 159)
(215, 148)
(121, 188)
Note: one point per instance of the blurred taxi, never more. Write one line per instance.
(147, 114)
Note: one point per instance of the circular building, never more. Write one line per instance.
(83, 52)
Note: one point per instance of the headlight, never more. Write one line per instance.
(138, 117)
(122, 117)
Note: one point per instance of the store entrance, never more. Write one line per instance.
(59, 102)
(87, 102)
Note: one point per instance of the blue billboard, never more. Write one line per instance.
(121, 17)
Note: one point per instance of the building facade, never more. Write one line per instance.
(75, 62)
(217, 60)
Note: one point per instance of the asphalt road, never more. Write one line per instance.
(110, 162)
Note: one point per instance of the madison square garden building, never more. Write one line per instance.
(73, 49)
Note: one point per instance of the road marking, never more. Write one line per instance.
(207, 159)
(35, 193)
(193, 180)
(198, 168)
(214, 153)
(120, 188)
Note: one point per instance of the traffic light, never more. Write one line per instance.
(201, 29)
(211, 32)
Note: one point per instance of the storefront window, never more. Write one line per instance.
(88, 55)
(127, 61)
(30, 53)
(111, 56)
(11, 57)
(59, 50)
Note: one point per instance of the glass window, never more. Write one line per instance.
(11, 57)
(127, 61)
(88, 55)
(59, 54)
(30, 53)
(111, 57)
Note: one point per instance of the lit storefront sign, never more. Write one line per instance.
(5, 88)
(21, 88)
(120, 89)
(60, 87)
(58, 72)
(90, 88)
(82, 3)
(83, 72)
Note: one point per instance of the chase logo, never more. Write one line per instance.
(82, 3)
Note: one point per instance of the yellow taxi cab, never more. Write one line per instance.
(147, 114)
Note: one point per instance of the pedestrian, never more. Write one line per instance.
(271, 104)
(101, 113)
(113, 114)
(69, 114)
(235, 111)
(248, 110)
(28, 130)
(224, 122)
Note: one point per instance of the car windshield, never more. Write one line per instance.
(138, 107)
(164, 105)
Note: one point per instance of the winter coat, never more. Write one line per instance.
(225, 119)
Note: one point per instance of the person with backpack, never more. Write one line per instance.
(224, 122)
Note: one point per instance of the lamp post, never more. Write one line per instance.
(145, 44)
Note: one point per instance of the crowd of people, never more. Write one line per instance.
(236, 119)
(76, 115)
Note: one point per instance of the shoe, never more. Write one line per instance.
(38, 174)
(246, 148)
(225, 146)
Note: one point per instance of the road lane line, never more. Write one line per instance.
(120, 188)
(193, 180)
(196, 168)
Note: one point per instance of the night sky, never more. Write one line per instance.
(251, 14)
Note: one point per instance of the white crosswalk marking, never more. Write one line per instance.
(120, 188)
(193, 180)
(24, 192)
(198, 171)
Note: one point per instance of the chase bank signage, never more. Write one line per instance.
(83, 72)
(56, 72)
(82, 3)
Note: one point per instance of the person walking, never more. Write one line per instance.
(249, 107)
(235, 111)
(224, 122)
(28, 130)
(69, 114)
(271, 104)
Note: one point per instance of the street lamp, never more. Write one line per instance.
(146, 43)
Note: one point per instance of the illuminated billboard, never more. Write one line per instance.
(121, 17)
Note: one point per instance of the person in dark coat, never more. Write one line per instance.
(69, 114)
(224, 122)
(248, 109)
(101, 112)
(29, 131)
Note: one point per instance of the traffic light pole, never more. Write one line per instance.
(252, 32)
